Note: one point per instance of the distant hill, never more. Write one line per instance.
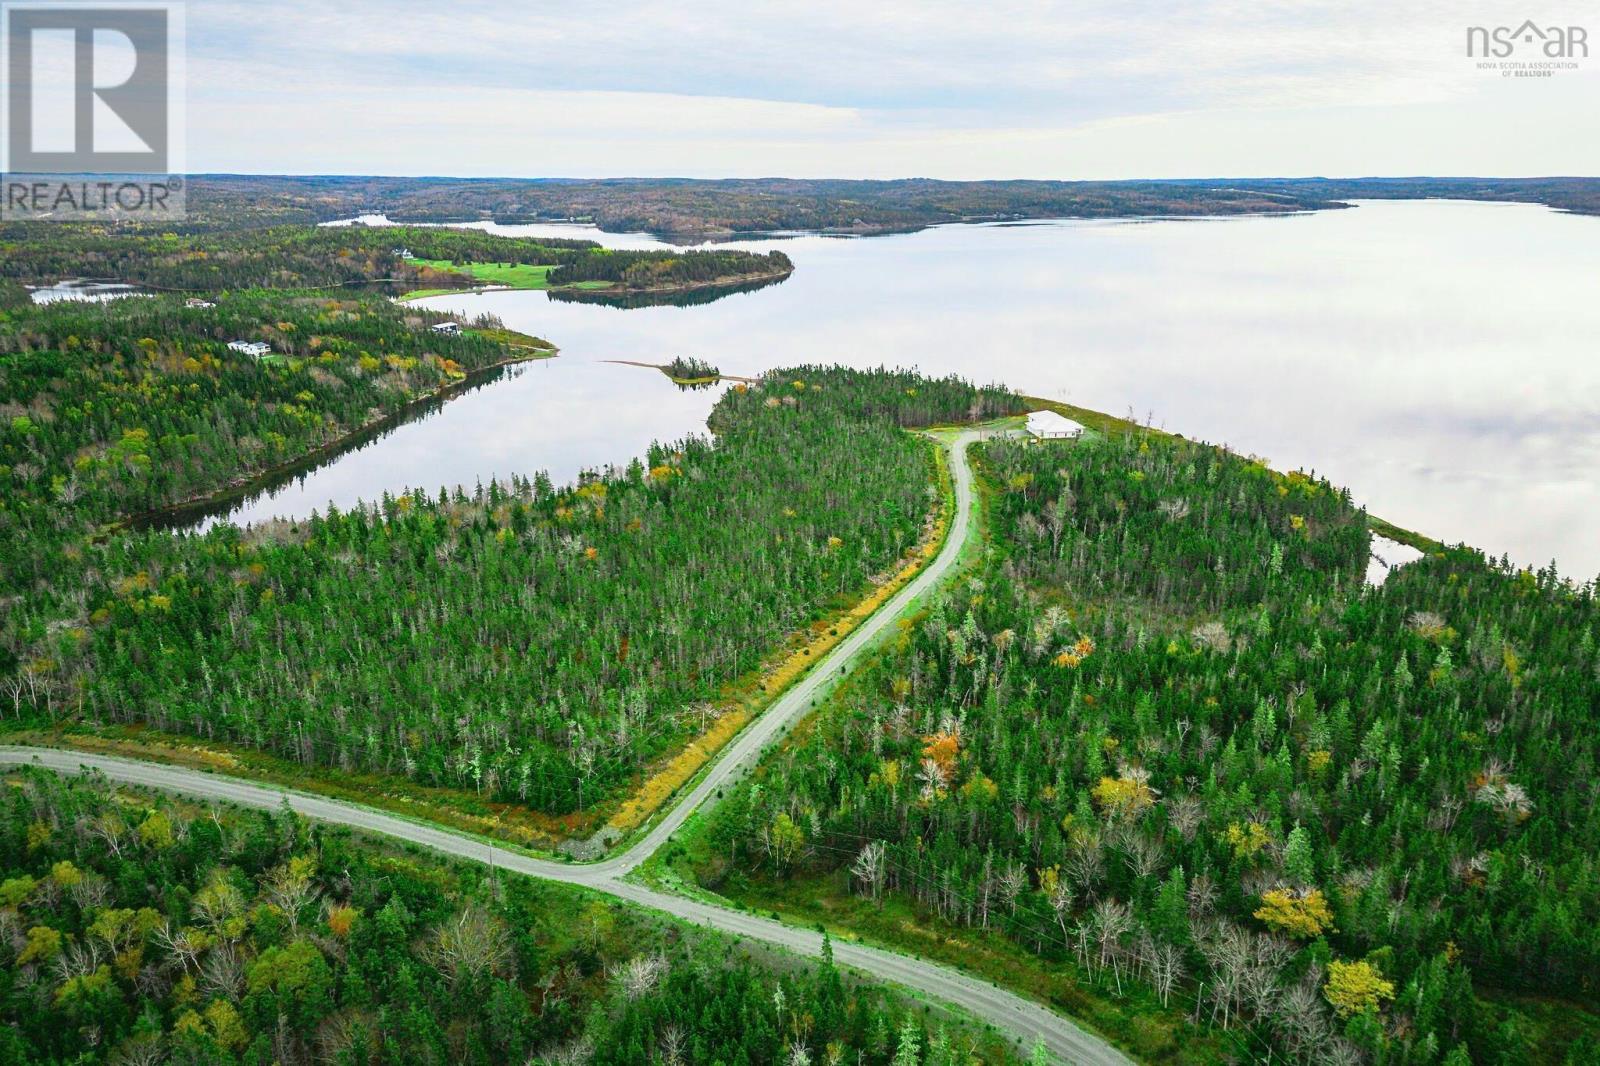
(710, 209)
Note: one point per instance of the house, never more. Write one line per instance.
(449, 329)
(1047, 425)
(403, 253)
(254, 349)
(195, 303)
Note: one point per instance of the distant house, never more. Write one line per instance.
(196, 303)
(254, 349)
(403, 253)
(1047, 425)
(449, 329)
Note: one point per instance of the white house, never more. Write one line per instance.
(403, 253)
(254, 349)
(196, 303)
(1047, 425)
(449, 329)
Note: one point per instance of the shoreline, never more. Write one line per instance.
(232, 491)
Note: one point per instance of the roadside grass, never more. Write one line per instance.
(1136, 1023)
(744, 699)
(453, 809)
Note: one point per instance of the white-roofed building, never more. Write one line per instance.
(1047, 425)
(254, 349)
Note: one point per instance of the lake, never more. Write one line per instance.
(1437, 357)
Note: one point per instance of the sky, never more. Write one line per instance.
(1094, 90)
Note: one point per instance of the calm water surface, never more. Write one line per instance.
(1437, 357)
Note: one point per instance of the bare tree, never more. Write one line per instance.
(222, 974)
(1142, 856)
(1166, 969)
(672, 1045)
(1061, 902)
(575, 1053)
(1086, 868)
(183, 943)
(1111, 921)
(1300, 1016)
(1012, 882)
(470, 945)
(110, 829)
(639, 976)
(290, 888)
(869, 868)
(1186, 813)
(144, 1049)
(1202, 896)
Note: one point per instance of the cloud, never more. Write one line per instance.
(891, 89)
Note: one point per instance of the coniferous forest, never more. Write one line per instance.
(135, 928)
(530, 643)
(1165, 737)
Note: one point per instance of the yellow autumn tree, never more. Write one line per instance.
(1125, 795)
(1247, 839)
(1354, 987)
(1300, 914)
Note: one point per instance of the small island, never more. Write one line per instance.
(598, 272)
(688, 370)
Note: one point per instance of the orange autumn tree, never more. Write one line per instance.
(942, 749)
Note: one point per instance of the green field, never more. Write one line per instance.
(515, 275)
(511, 275)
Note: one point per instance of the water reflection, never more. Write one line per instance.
(697, 297)
(272, 494)
(1437, 357)
(82, 290)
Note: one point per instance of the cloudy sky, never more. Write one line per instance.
(893, 88)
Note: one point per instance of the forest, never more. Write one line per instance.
(140, 929)
(532, 643)
(1165, 739)
(307, 257)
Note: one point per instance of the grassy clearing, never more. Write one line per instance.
(512, 275)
